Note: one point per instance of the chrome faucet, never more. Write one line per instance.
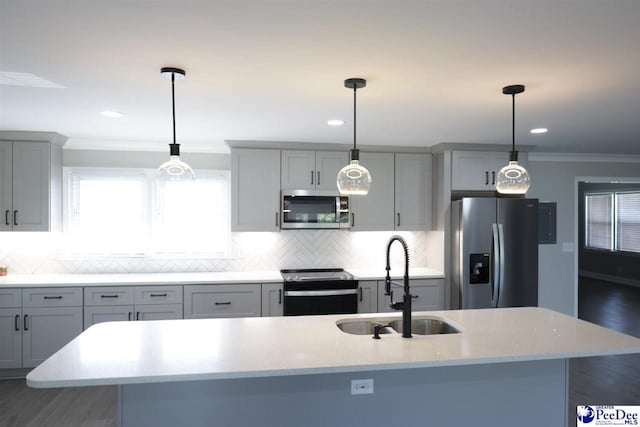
(405, 305)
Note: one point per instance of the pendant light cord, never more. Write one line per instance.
(354, 117)
(173, 105)
(513, 123)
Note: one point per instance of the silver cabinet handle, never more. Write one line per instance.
(16, 324)
(493, 177)
(6, 217)
(398, 214)
(279, 296)
(137, 315)
(311, 177)
(223, 303)
(318, 180)
(360, 294)
(26, 322)
(129, 316)
(486, 177)
(15, 217)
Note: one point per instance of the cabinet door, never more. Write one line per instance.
(207, 301)
(272, 299)
(6, 185)
(471, 170)
(298, 170)
(375, 211)
(31, 180)
(10, 338)
(413, 192)
(428, 294)
(367, 296)
(111, 313)
(159, 312)
(255, 190)
(328, 164)
(498, 160)
(47, 330)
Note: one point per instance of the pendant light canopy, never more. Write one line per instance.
(513, 178)
(174, 169)
(354, 178)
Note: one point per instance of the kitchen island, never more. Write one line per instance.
(505, 367)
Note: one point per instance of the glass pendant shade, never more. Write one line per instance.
(513, 179)
(354, 179)
(175, 170)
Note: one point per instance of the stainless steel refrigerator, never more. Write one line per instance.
(495, 252)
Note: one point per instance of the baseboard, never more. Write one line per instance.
(610, 278)
(13, 374)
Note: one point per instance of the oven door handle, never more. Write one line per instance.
(326, 293)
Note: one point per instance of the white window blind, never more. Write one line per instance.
(599, 221)
(628, 221)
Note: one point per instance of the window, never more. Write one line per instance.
(628, 222)
(612, 221)
(599, 215)
(123, 212)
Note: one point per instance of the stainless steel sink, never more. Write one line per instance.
(363, 327)
(419, 326)
(426, 327)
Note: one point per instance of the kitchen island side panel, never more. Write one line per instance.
(504, 394)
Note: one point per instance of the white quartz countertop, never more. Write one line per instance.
(191, 350)
(271, 276)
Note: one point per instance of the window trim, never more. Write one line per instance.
(614, 222)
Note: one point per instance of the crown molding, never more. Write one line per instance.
(583, 157)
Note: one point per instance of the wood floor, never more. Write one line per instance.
(609, 379)
(593, 380)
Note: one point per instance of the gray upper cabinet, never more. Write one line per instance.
(412, 192)
(255, 190)
(31, 187)
(477, 170)
(311, 170)
(375, 211)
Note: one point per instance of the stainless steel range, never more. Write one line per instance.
(319, 291)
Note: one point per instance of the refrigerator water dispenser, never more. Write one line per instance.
(479, 264)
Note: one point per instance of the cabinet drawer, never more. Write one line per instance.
(108, 295)
(10, 298)
(428, 294)
(158, 295)
(205, 301)
(52, 297)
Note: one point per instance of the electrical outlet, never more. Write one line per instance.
(362, 386)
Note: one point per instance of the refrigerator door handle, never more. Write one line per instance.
(495, 253)
(502, 264)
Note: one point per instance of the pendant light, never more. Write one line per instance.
(354, 178)
(174, 169)
(513, 178)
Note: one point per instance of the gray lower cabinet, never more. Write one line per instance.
(272, 299)
(41, 321)
(129, 303)
(428, 294)
(208, 301)
(367, 296)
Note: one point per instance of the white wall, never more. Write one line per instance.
(556, 182)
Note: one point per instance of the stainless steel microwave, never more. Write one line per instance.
(314, 209)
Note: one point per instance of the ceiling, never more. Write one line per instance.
(274, 70)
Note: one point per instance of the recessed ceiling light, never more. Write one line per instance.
(335, 122)
(112, 114)
(539, 130)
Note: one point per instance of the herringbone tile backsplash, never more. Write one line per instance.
(32, 253)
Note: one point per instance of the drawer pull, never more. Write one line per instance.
(17, 322)
(158, 295)
(56, 297)
(26, 322)
(108, 296)
(223, 303)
